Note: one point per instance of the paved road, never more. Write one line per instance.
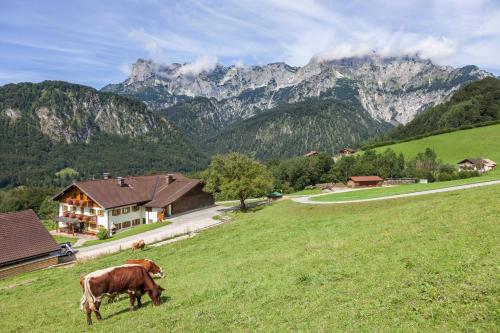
(305, 199)
(182, 224)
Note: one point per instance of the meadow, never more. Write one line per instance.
(421, 264)
(455, 146)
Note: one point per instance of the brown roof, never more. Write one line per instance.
(136, 190)
(366, 178)
(23, 236)
(311, 153)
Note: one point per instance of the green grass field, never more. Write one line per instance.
(130, 232)
(422, 264)
(378, 192)
(64, 239)
(307, 192)
(455, 146)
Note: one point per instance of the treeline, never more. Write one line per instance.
(296, 173)
(36, 198)
(474, 105)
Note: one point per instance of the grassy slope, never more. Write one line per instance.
(378, 192)
(130, 232)
(418, 264)
(63, 239)
(455, 146)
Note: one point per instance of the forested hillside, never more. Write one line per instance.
(476, 103)
(295, 129)
(49, 126)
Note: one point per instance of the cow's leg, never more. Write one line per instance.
(132, 300)
(88, 313)
(139, 303)
(96, 311)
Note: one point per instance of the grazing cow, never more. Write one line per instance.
(149, 265)
(110, 282)
(139, 245)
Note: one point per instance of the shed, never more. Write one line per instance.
(25, 244)
(364, 181)
(274, 196)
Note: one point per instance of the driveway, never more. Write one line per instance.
(181, 224)
(305, 199)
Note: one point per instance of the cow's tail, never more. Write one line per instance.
(87, 297)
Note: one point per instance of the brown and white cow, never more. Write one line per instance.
(149, 265)
(110, 282)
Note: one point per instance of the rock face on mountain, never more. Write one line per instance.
(390, 89)
(71, 113)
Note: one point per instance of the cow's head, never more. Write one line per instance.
(156, 270)
(155, 294)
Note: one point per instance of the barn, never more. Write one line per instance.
(25, 244)
(364, 181)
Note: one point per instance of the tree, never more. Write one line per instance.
(238, 176)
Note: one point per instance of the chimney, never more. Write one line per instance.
(121, 181)
(170, 178)
(105, 175)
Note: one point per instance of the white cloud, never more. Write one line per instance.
(126, 69)
(205, 63)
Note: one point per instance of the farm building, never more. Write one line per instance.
(476, 164)
(121, 203)
(311, 154)
(364, 181)
(25, 243)
(347, 152)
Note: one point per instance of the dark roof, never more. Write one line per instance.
(153, 190)
(275, 194)
(365, 178)
(23, 236)
(472, 160)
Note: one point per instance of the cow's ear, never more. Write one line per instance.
(161, 289)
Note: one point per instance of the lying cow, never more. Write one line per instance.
(110, 282)
(149, 265)
(139, 245)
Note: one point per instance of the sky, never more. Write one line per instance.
(95, 42)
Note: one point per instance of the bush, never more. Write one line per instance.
(103, 234)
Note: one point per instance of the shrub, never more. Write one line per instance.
(103, 234)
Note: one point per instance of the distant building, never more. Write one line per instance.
(347, 152)
(25, 244)
(121, 203)
(476, 164)
(274, 196)
(364, 181)
(311, 154)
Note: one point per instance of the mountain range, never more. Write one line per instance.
(176, 116)
(208, 104)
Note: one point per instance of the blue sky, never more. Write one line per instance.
(95, 42)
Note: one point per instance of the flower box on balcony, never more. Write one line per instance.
(66, 214)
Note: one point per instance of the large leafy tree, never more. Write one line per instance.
(237, 175)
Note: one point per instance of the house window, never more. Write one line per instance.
(92, 211)
(116, 212)
(126, 224)
(81, 196)
(143, 220)
(135, 208)
(125, 210)
(136, 222)
(118, 226)
(100, 213)
(65, 208)
(73, 195)
(72, 209)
